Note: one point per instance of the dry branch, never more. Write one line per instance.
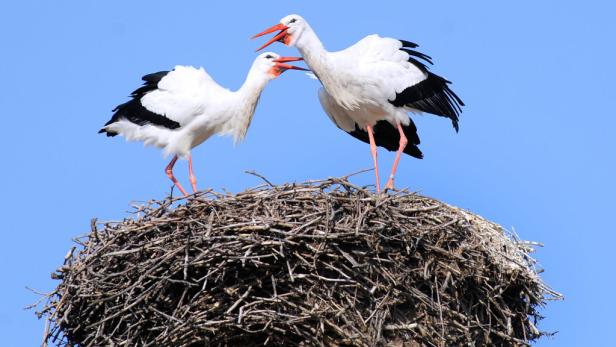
(318, 263)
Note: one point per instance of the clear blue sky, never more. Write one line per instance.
(535, 150)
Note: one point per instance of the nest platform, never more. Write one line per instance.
(321, 263)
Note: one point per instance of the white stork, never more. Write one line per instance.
(369, 88)
(178, 110)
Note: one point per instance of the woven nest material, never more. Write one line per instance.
(318, 263)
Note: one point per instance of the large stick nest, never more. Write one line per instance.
(318, 263)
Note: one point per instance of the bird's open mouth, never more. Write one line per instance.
(281, 67)
(282, 36)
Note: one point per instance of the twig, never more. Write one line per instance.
(254, 173)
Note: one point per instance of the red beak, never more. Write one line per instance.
(279, 37)
(283, 67)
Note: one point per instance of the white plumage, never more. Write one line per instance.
(180, 109)
(369, 87)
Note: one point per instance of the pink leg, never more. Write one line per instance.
(191, 175)
(169, 172)
(374, 156)
(403, 142)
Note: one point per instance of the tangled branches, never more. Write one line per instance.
(317, 263)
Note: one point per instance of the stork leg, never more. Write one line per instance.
(403, 142)
(374, 157)
(191, 175)
(169, 172)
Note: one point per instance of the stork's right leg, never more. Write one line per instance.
(403, 142)
(191, 174)
(169, 172)
(374, 157)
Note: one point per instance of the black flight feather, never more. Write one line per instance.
(134, 111)
(409, 44)
(387, 136)
(431, 95)
(419, 55)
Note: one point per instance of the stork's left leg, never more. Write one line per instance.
(191, 174)
(403, 142)
(169, 172)
(374, 156)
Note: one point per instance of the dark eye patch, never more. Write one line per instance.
(293, 20)
(269, 56)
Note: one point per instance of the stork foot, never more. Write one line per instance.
(390, 184)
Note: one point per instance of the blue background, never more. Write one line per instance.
(535, 151)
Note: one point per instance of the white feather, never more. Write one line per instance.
(311, 75)
(336, 113)
(190, 97)
(360, 79)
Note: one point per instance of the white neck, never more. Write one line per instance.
(254, 83)
(246, 99)
(311, 48)
(330, 71)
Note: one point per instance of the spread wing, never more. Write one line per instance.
(183, 94)
(168, 99)
(398, 72)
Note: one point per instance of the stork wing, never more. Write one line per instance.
(182, 94)
(399, 74)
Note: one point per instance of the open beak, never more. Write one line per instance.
(282, 67)
(279, 37)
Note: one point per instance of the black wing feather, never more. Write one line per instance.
(387, 136)
(409, 44)
(431, 95)
(134, 111)
(155, 77)
(421, 66)
(417, 54)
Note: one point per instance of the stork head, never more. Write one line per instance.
(291, 28)
(273, 65)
